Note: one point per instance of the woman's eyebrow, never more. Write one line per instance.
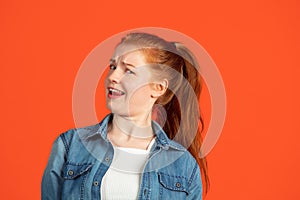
(112, 60)
(128, 64)
(123, 62)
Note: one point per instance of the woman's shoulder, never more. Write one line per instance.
(185, 155)
(174, 157)
(87, 131)
(172, 149)
(73, 133)
(82, 145)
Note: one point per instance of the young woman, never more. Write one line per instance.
(149, 146)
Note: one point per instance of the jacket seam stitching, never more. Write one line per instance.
(64, 140)
(193, 175)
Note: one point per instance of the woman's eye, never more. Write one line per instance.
(128, 71)
(113, 67)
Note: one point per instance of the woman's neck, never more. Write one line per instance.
(132, 127)
(127, 132)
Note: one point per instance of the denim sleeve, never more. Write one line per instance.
(195, 184)
(52, 179)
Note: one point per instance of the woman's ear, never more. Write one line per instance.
(159, 88)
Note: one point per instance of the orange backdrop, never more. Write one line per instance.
(255, 45)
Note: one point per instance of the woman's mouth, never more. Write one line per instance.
(114, 93)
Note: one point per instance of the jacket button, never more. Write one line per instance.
(96, 183)
(70, 172)
(107, 159)
(178, 184)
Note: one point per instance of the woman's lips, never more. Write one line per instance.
(114, 93)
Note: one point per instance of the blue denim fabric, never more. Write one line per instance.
(80, 158)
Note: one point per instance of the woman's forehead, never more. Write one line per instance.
(123, 49)
(128, 53)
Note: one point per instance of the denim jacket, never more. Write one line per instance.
(80, 158)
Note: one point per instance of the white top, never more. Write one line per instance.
(122, 179)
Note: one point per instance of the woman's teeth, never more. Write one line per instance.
(115, 92)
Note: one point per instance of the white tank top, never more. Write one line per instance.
(122, 179)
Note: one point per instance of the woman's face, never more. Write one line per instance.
(128, 91)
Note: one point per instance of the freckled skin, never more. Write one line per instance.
(131, 75)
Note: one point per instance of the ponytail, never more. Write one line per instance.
(184, 122)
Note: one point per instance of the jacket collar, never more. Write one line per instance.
(162, 139)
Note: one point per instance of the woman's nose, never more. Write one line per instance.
(115, 76)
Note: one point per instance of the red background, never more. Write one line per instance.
(255, 45)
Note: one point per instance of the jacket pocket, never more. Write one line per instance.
(73, 170)
(173, 183)
(75, 176)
